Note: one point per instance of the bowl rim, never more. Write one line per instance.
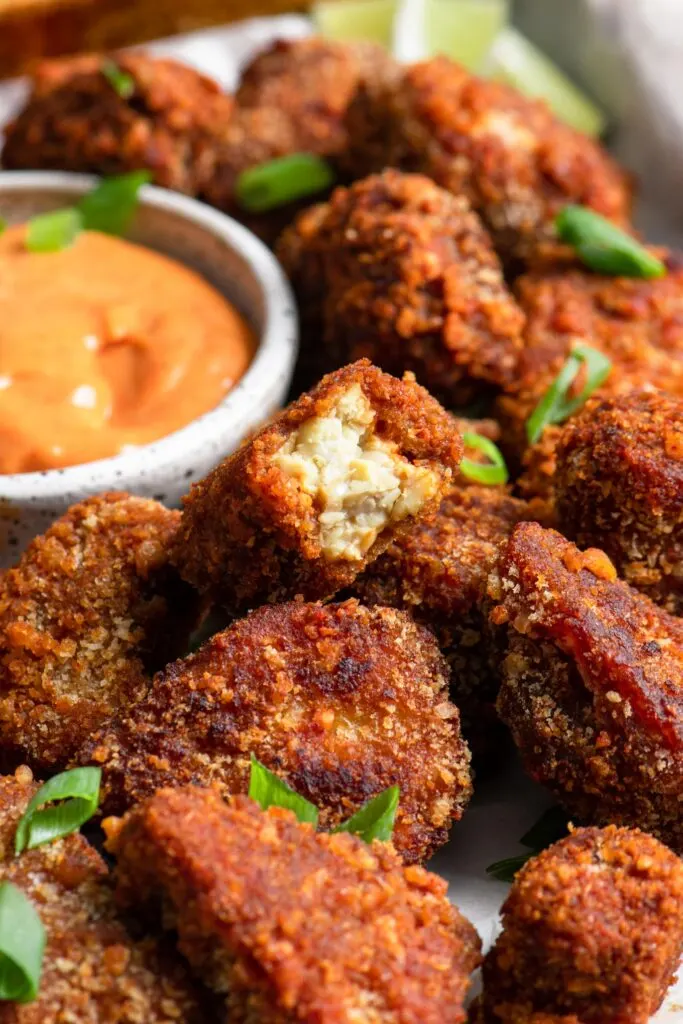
(278, 335)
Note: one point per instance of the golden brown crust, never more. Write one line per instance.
(93, 971)
(341, 701)
(516, 163)
(592, 684)
(619, 486)
(592, 927)
(89, 606)
(249, 536)
(296, 925)
(76, 121)
(404, 273)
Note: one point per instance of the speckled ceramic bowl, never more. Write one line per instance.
(236, 263)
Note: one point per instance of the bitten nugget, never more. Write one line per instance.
(294, 925)
(93, 972)
(516, 163)
(76, 120)
(89, 607)
(410, 280)
(341, 701)
(619, 486)
(592, 684)
(592, 927)
(638, 324)
(319, 492)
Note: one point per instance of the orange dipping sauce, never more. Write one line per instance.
(106, 345)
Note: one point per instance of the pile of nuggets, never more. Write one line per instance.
(388, 621)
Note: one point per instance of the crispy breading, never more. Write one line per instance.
(619, 486)
(340, 700)
(90, 606)
(94, 971)
(637, 323)
(319, 492)
(294, 925)
(75, 120)
(592, 932)
(592, 684)
(516, 163)
(406, 275)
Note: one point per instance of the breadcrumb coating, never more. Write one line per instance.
(515, 162)
(94, 971)
(90, 606)
(591, 684)
(319, 492)
(75, 120)
(619, 486)
(292, 925)
(340, 700)
(403, 272)
(592, 932)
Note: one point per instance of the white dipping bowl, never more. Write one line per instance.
(236, 263)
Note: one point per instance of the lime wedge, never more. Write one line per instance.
(355, 19)
(517, 62)
(464, 29)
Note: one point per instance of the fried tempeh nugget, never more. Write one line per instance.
(619, 486)
(94, 971)
(319, 492)
(592, 932)
(294, 925)
(90, 606)
(592, 684)
(341, 701)
(77, 120)
(404, 273)
(516, 163)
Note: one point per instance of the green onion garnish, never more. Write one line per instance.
(270, 791)
(110, 206)
(50, 232)
(490, 475)
(281, 181)
(555, 407)
(3, 225)
(22, 944)
(550, 827)
(120, 81)
(375, 819)
(79, 788)
(604, 247)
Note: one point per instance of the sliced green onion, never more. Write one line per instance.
(110, 207)
(79, 788)
(604, 247)
(555, 407)
(120, 81)
(550, 827)
(50, 232)
(22, 944)
(375, 819)
(267, 790)
(490, 475)
(281, 181)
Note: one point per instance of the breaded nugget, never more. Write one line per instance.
(340, 700)
(592, 684)
(637, 323)
(592, 927)
(294, 925)
(411, 281)
(516, 163)
(94, 972)
(619, 486)
(439, 572)
(89, 607)
(75, 120)
(319, 492)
